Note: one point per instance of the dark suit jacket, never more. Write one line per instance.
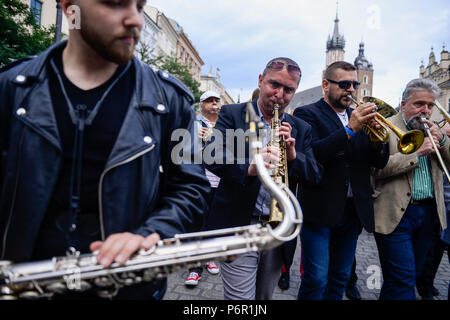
(235, 198)
(343, 161)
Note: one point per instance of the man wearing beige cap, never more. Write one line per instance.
(209, 112)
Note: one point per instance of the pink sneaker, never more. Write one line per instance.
(212, 267)
(192, 279)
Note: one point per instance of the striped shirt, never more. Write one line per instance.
(422, 180)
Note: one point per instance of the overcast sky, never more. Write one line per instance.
(240, 36)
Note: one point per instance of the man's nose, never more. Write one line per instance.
(279, 92)
(133, 17)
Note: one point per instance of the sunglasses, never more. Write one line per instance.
(279, 65)
(346, 84)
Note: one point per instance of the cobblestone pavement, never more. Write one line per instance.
(210, 286)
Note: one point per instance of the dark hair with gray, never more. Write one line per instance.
(284, 59)
(420, 85)
(330, 71)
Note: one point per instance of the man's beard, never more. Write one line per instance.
(110, 50)
(416, 123)
(337, 102)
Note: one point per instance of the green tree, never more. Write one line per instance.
(21, 36)
(172, 65)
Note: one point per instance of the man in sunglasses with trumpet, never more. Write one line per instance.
(410, 195)
(336, 210)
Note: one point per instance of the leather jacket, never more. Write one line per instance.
(140, 190)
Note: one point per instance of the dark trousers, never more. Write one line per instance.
(425, 279)
(199, 270)
(403, 252)
(353, 277)
(327, 256)
(288, 254)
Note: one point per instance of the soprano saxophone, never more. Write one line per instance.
(80, 272)
(280, 172)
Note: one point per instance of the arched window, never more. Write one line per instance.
(366, 80)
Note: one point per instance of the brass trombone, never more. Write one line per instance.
(408, 142)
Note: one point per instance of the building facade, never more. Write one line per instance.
(364, 71)
(187, 54)
(166, 44)
(149, 37)
(440, 73)
(211, 82)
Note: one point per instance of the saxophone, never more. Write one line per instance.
(81, 272)
(280, 172)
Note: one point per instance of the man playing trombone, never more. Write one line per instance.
(409, 194)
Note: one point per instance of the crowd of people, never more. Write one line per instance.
(85, 142)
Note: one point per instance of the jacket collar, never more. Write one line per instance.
(40, 115)
(36, 70)
(331, 114)
(285, 118)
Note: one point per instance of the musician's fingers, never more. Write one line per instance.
(271, 157)
(130, 245)
(150, 241)
(272, 150)
(286, 126)
(94, 246)
(111, 250)
(290, 142)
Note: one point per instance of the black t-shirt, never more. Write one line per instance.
(99, 139)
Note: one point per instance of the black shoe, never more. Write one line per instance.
(427, 292)
(435, 292)
(283, 283)
(352, 292)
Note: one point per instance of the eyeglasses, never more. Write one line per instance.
(346, 84)
(279, 65)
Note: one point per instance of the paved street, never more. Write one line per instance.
(210, 286)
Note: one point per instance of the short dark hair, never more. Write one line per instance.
(284, 59)
(330, 71)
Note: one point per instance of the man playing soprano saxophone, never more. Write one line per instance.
(240, 198)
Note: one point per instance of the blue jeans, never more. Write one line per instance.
(327, 255)
(403, 252)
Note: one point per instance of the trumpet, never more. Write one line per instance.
(408, 142)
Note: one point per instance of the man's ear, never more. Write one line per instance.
(325, 85)
(65, 7)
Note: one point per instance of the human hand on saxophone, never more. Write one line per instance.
(271, 154)
(119, 247)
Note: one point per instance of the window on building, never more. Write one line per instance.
(366, 80)
(36, 10)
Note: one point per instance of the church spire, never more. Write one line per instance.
(337, 41)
